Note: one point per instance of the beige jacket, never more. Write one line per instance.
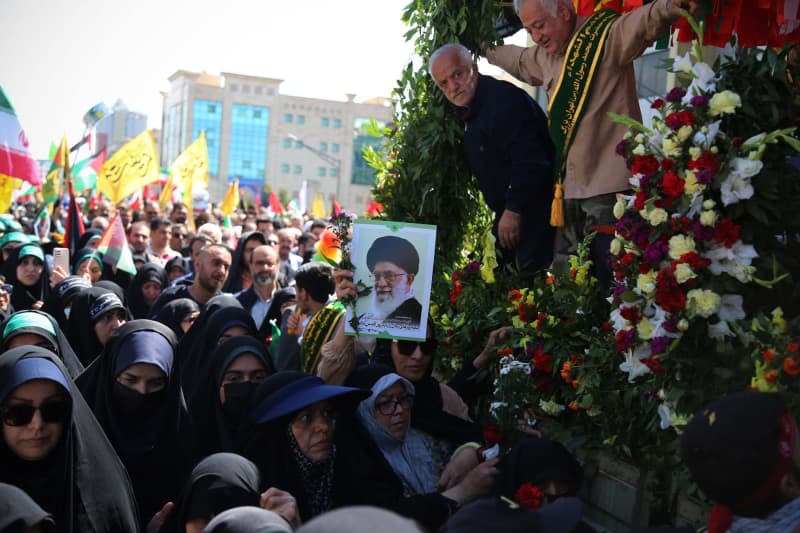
(593, 167)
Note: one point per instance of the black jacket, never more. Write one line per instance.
(510, 152)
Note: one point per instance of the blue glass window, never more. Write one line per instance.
(301, 119)
(337, 123)
(321, 171)
(335, 148)
(247, 154)
(332, 172)
(325, 122)
(285, 168)
(323, 147)
(298, 169)
(208, 118)
(287, 143)
(288, 117)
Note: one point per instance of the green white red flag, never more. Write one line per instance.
(114, 247)
(15, 159)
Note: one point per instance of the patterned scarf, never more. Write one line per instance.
(316, 477)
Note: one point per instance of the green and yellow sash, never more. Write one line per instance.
(571, 93)
(318, 332)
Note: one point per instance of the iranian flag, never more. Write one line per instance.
(15, 160)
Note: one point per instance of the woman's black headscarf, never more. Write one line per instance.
(82, 483)
(179, 262)
(238, 267)
(218, 425)
(41, 324)
(88, 235)
(135, 301)
(538, 460)
(151, 433)
(219, 482)
(18, 512)
(316, 486)
(61, 296)
(194, 350)
(23, 297)
(427, 412)
(175, 312)
(87, 308)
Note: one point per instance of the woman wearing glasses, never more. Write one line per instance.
(53, 448)
(405, 469)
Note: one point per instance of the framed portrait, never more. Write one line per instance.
(395, 261)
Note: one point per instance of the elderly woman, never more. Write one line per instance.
(54, 449)
(292, 439)
(404, 469)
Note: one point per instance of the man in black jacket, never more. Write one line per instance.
(509, 150)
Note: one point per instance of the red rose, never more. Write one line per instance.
(653, 364)
(644, 268)
(668, 292)
(672, 184)
(514, 295)
(607, 326)
(657, 104)
(529, 495)
(680, 224)
(644, 164)
(727, 232)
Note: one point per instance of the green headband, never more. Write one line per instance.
(31, 250)
(28, 320)
(13, 236)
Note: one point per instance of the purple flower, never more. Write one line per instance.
(701, 232)
(472, 267)
(654, 252)
(620, 149)
(675, 95)
(644, 184)
(671, 324)
(659, 344)
(618, 291)
(704, 176)
(699, 100)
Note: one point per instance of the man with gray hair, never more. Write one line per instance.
(589, 174)
(509, 151)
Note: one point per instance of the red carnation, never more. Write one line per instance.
(657, 104)
(679, 118)
(529, 495)
(514, 295)
(672, 184)
(653, 364)
(667, 164)
(492, 435)
(639, 201)
(668, 292)
(644, 164)
(707, 160)
(631, 313)
(727, 232)
(542, 361)
(694, 260)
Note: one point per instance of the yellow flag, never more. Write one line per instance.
(231, 199)
(132, 167)
(7, 186)
(190, 168)
(166, 193)
(318, 206)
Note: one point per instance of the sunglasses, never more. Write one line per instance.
(21, 414)
(407, 347)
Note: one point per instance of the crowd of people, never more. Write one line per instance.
(215, 390)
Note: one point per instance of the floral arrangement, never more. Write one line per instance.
(680, 258)
(548, 370)
(776, 354)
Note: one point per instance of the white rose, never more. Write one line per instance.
(680, 245)
(616, 247)
(709, 204)
(658, 216)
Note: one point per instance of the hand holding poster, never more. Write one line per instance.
(395, 260)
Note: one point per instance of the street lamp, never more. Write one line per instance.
(332, 161)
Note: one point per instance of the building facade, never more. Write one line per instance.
(262, 137)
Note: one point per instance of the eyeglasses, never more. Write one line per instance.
(179, 235)
(389, 406)
(21, 414)
(387, 276)
(7, 288)
(407, 348)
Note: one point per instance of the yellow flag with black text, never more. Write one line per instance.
(190, 168)
(132, 167)
(231, 200)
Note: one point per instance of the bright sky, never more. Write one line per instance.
(63, 56)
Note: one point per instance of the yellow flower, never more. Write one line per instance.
(691, 185)
(708, 218)
(619, 208)
(684, 273)
(683, 324)
(680, 245)
(489, 258)
(709, 204)
(434, 309)
(645, 329)
(695, 152)
(760, 382)
(657, 216)
(684, 132)
(670, 147)
(778, 322)
(646, 283)
(702, 302)
(724, 103)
